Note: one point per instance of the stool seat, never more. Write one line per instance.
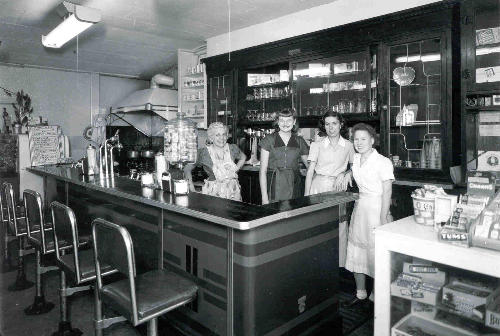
(87, 265)
(36, 239)
(156, 290)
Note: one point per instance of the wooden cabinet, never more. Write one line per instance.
(480, 25)
(350, 69)
(480, 47)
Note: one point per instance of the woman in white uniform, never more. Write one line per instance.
(328, 159)
(374, 175)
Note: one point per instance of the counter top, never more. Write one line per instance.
(238, 215)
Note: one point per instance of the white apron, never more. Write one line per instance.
(324, 183)
(226, 183)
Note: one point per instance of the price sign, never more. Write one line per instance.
(46, 144)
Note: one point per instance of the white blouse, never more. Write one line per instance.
(375, 170)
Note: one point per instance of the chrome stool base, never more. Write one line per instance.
(40, 306)
(66, 330)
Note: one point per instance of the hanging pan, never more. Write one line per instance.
(403, 76)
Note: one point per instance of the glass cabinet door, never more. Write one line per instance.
(415, 105)
(486, 32)
(265, 91)
(344, 83)
(220, 103)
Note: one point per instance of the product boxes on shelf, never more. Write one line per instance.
(420, 283)
(492, 319)
(469, 298)
(424, 310)
(486, 231)
(418, 325)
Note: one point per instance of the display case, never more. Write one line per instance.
(481, 81)
(481, 44)
(264, 91)
(221, 100)
(419, 114)
(442, 289)
(345, 83)
(192, 86)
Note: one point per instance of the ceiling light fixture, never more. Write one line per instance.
(76, 19)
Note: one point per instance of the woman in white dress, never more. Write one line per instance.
(374, 175)
(328, 159)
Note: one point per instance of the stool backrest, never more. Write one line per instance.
(34, 215)
(113, 246)
(65, 233)
(11, 207)
(3, 205)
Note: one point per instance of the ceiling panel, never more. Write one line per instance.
(135, 37)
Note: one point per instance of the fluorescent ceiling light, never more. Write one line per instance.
(416, 58)
(77, 19)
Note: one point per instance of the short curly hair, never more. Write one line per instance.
(211, 131)
(286, 112)
(365, 127)
(321, 122)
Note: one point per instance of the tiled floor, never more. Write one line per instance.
(13, 321)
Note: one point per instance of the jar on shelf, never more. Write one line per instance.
(180, 140)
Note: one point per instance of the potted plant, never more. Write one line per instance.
(22, 110)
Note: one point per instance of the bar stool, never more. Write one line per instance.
(79, 266)
(17, 228)
(43, 241)
(4, 217)
(138, 298)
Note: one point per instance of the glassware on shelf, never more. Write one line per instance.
(415, 136)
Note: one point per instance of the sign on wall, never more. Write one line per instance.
(46, 144)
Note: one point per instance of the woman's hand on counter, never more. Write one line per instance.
(342, 181)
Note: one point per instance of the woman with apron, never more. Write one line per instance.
(279, 155)
(218, 160)
(328, 160)
(373, 174)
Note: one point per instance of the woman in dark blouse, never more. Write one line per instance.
(280, 153)
(218, 161)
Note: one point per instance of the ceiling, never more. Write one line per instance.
(137, 38)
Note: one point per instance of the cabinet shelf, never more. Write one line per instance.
(277, 84)
(312, 121)
(197, 87)
(494, 108)
(267, 99)
(338, 75)
(194, 75)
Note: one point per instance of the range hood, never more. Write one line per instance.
(148, 110)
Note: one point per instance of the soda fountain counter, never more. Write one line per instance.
(261, 269)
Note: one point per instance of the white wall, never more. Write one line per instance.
(333, 14)
(65, 98)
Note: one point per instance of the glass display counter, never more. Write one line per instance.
(426, 287)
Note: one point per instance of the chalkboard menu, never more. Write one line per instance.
(46, 144)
